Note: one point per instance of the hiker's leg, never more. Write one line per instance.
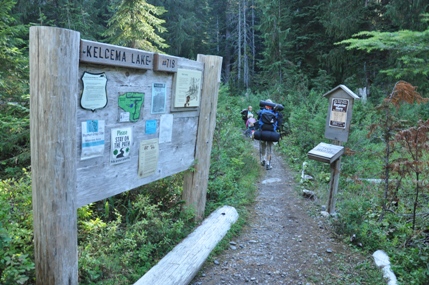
(262, 151)
(269, 147)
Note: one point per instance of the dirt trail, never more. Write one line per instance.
(282, 244)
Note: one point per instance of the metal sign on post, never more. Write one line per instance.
(337, 128)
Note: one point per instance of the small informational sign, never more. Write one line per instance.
(338, 116)
(158, 98)
(148, 157)
(188, 88)
(130, 104)
(162, 62)
(121, 140)
(327, 153)
(94, 94)
(92, 139)
(150, 127)
(165, 128)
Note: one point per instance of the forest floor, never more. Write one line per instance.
(286, 241)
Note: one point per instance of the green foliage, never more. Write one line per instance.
(306, 120)
(136, 24)
(14, 112)
(119, 251)
(183, 23)
(14, 140)
(16, 232)
(407, 48)
(231, 172)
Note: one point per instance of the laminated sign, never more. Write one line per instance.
(338, 116)
(121, 140)
(92, 139)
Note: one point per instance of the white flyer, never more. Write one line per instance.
(92, 139)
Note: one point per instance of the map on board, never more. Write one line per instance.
(131, 103)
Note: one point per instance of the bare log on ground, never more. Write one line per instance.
(181, 264)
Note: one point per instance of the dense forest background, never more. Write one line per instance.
(290, 51)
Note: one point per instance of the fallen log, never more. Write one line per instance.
(181, 264)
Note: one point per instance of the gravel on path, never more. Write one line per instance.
(281, 244)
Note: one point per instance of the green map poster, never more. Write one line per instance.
(130, 104)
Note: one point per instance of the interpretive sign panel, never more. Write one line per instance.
(188, 88)
(327, 153)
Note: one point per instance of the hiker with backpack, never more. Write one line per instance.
(245, 114)
(268, 119)
(250, 125)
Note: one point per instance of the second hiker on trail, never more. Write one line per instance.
(245, 114)
(250, 125)
(267, 133)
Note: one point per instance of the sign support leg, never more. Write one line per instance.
(333, 185)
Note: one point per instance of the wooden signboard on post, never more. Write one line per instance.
(337, 128)
(101, 124)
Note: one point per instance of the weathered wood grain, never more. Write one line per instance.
(181, 264)
(53, 93)
(195, 183)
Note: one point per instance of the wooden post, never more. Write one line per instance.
(54, 62)
(333, 185)
(195, 183)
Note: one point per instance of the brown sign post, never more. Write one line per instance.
(337, 128)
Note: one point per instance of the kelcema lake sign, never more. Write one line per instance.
(99, 53)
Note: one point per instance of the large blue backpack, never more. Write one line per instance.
(267, 120)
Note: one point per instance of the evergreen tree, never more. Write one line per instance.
(186, 24)
(136, 24)
(408, 48)
(14, 109)
(13, 68)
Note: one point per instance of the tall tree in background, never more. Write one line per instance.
(403, 15)
(186, 24)
(13, 72)
(89, 17)
(239, 32)
(247, 16)
(135, 24)
(14, 109)
(408, 48)
(274, 29)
